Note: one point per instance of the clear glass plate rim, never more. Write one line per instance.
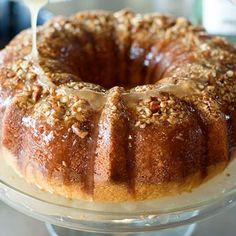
(191, 207)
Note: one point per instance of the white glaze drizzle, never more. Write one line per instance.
(34, 7)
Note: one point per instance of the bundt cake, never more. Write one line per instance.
(128, 107)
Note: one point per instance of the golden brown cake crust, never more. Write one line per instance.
(124, 107)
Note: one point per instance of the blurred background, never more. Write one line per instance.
(217, 16)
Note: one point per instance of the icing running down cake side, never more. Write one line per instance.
(129, 106)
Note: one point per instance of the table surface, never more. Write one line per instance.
(13, 223)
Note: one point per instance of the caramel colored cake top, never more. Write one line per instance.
(79, 52)
(119, 92)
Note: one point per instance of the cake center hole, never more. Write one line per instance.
(104, 64)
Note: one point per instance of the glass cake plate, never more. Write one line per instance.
(166, 213)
